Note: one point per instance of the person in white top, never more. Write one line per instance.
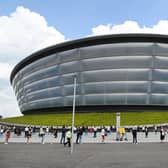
(26, 131)
(42, 134)
(47, 130)
(103, 134)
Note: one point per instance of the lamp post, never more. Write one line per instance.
(117, 125)
(73, 113)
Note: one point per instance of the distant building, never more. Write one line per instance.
(121, 72)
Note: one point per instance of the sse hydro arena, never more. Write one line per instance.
(122, 72)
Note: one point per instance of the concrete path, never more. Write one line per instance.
(145, 155)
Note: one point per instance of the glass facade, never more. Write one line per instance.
(132, 73)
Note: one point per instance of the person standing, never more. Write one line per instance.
(42, 134)
(68, 136)
(103, 134)
(1, 131)
(95, 132)
(26, 131)
(47, 130)
(77, 135)
(55, 132)
(28, 136)
(63, 134)
(7, 135)
(146, 132)
(134, 134)
(143, 128)
(86, 130)
(162, 134)
(80, 135)
(123, 134)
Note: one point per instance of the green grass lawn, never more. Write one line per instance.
(92, 119)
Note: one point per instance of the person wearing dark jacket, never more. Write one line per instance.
(79, 133)
(134, 134)
(55, 133)
(63, 134)
(146, 132)
(162, 134)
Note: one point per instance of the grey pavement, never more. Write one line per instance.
(92, 155)
(111, 138)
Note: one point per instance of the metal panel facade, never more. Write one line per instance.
(132, 73)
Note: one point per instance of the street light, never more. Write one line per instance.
(73, 113)
(117, 125)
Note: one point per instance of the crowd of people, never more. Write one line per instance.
(66, 133)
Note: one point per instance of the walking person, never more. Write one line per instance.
(134, 134)
(63, 134)
(68, 136)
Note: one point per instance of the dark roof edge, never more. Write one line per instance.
(88, 41)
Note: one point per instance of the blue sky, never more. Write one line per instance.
(75, 18)
(29, 25)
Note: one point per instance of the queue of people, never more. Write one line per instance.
(80, 133)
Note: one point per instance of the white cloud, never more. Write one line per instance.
(5, 70)
(24, 32)
(8, 104)
(21, 33)
(131, 27)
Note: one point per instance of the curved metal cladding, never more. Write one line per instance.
(122, 73)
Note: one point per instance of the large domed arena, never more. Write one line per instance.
(121, 72)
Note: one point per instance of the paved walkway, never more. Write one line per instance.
(146, 155)
(111, 138)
